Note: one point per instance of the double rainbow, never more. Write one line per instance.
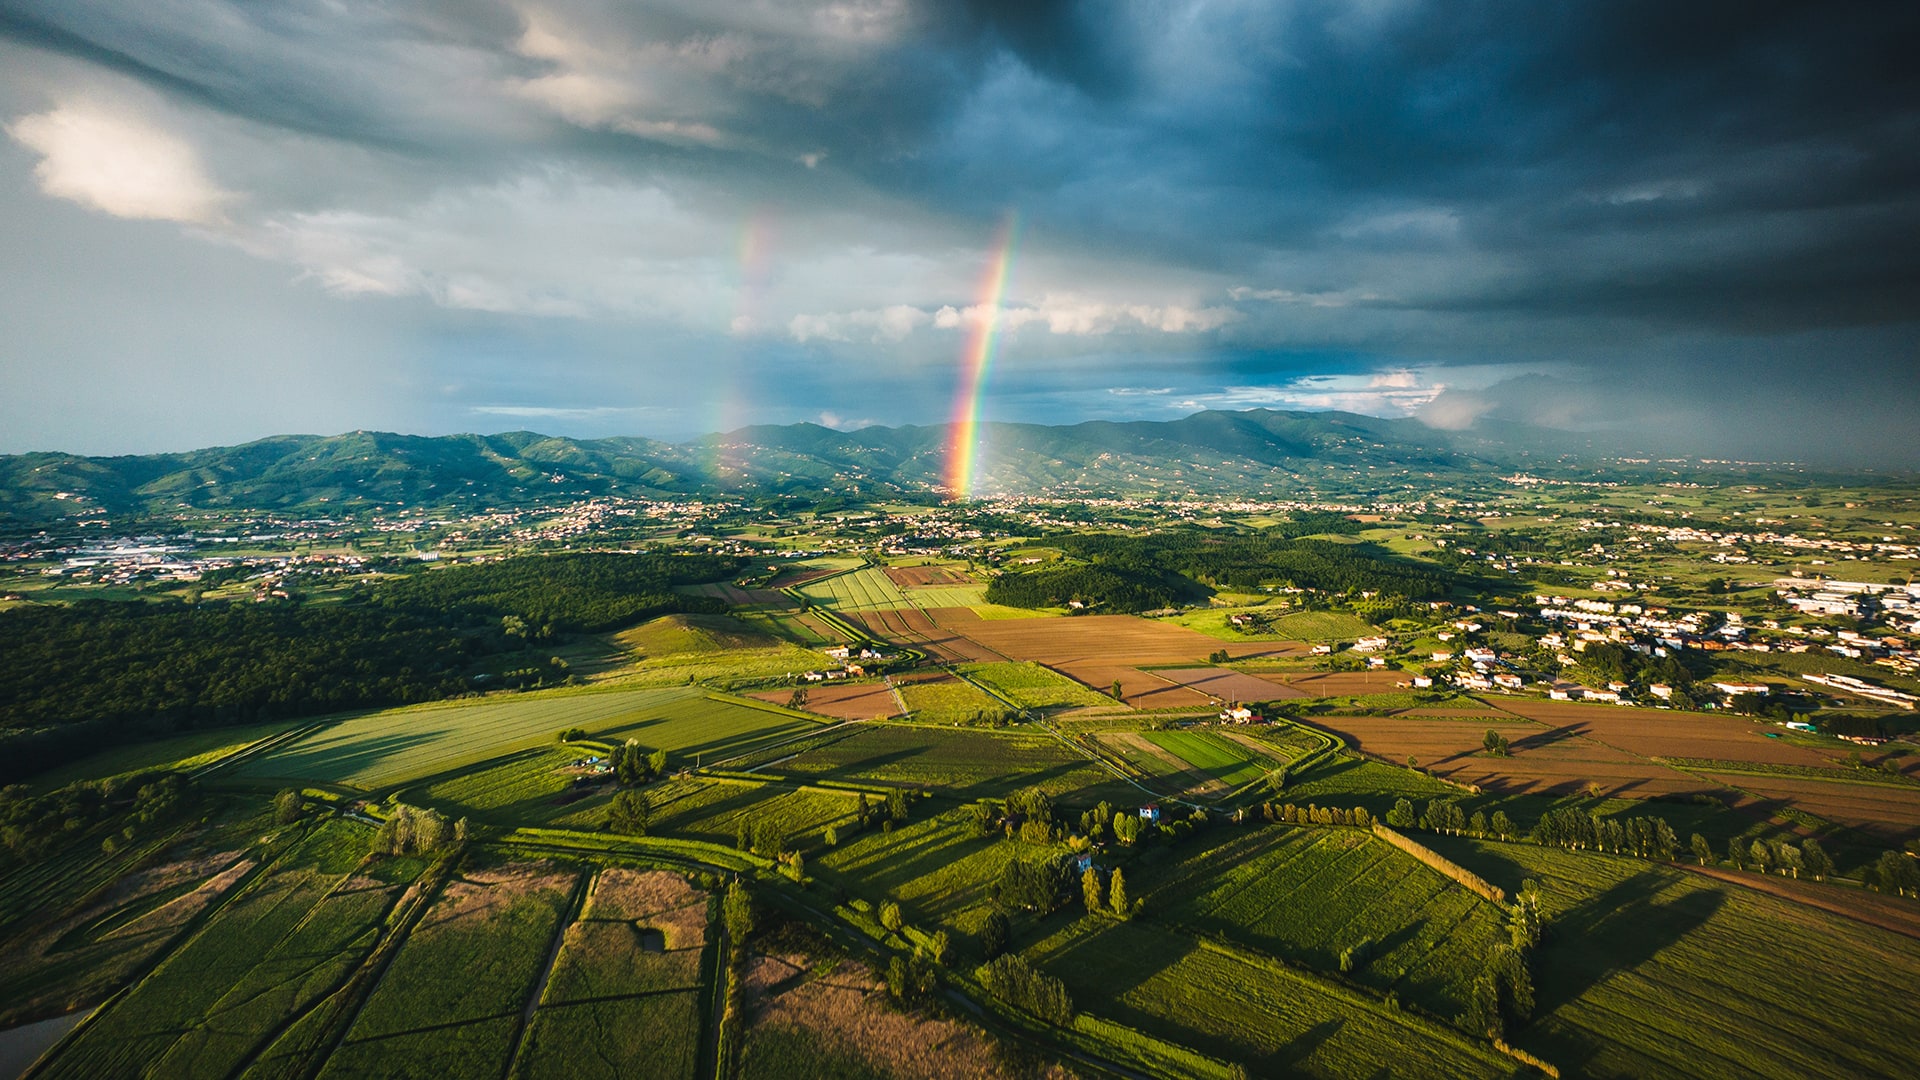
(963, 433)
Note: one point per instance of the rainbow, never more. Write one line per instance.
(963, 447)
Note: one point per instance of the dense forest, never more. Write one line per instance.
(96, 671)
(587, 592)
(1104, 588)
(1142, 573)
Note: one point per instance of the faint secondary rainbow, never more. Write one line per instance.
(976, 363)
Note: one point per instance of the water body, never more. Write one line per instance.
(20, 1047)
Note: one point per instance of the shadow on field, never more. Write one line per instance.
(336, 762)
(1614, 931)
(1290, 1058)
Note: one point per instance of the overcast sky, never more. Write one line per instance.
(1694, 222)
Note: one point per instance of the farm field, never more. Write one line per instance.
(1229, 762)
(866, 589)
(1664, 733)
(266, 957)
(451, 1000)
(1171, 984)
(1541, 760)
(929, 575)
(184, 751)
(1228, 685)
(403, 745)
(529, 786)
(1891, 815)
(841, 700)
(626, 983)
(937, 867)
(947, 596)
(962, 763)
(1340, 683)
(1654, 970)
(926, 630)
(1306, 894)
(835, 1020)
(947, 700)
(1033, 686)
(717, 815)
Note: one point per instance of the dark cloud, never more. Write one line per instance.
(1226, 196)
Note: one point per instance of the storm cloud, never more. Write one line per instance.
(1691, 224)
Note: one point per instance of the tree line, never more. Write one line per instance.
(96, 671)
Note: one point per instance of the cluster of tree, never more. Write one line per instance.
(1039, 887)
(1503, 991)
(411, 830)
(1274, 556)
(546, 595)
(1107, 895)
(1603, 662)
(31, 825)
(1495, 744)
(1311, 814)
(1444, 815)
(1763, 856)
(1647, 837)
(1014, 981)
(887, 812)
(635, 764)
(629, 813)
(1897, 873)
(1107, 588)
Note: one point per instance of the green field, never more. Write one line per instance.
(1649, 970)
(936, 868)
(403, 745)
(528, 786)
(963, 763)
(1235, 1004)
(1033, 686)
(450, 1002)
(184, 751)
(939, 596)
(866, 589)
(1306, 894)
(1231, 762)
(948, 701)
(258, 964)
(1322, 626)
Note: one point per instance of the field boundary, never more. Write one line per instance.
(1438, 862)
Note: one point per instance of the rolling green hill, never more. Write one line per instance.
(1258, 451)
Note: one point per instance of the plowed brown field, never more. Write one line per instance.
(905, 576)
(868, 701)
(1542, 760)
(1229, 685)
(1660, 733)
(1890, 814)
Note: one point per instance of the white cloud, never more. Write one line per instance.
(840, 423)
(886, 324)
(1080, 317)
(119, 164)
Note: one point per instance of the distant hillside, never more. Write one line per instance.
(1259, 451)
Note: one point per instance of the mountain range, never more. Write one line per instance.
(1255, 452)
